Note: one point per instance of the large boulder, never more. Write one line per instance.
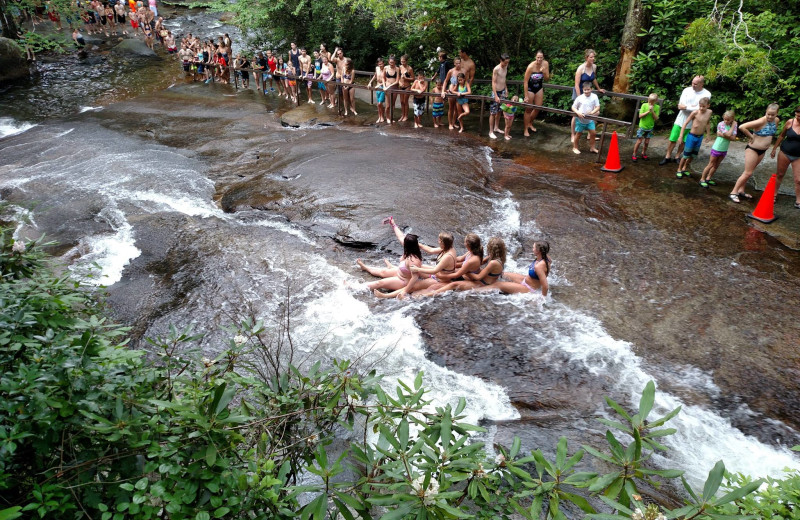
(134, 47)
(13, 64)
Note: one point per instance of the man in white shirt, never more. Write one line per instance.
(689, 102)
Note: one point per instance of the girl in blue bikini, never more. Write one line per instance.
(536, 278)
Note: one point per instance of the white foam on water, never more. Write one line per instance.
(286, 227)
(89, 109)
(9, 127)
(107, 253)
(65, 132)
(487, 153)
(192, 206)
(350, 329)
(703, 436)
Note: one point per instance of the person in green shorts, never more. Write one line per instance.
(648, 115)
(726, 132)
(688, 103)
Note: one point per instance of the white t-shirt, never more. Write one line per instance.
(585, 105)
(691, 100)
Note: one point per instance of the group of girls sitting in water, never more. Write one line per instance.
(470, 271)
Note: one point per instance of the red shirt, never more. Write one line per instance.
(272, 63)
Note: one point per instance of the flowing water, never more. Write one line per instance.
(195, 206)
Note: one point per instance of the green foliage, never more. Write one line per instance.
(45, 42)
(91, 428)
(745, 57)
(777, 499)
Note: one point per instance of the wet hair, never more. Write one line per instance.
(796, 109)
(729, 113)
(411, 246)
(504, 57)
(404, 57)
(348, 64)
(379, 60)
(704, 101)
(420, 73)
(544, 248)
(586, 84)
(473, 243)
(446, 240)
(390, 58)
(496, 249)
(587, 52)
(461, 76)
(773, 106)
(540, 51)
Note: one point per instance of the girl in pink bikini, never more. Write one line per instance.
(400, 277)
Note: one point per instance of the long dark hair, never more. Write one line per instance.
(544, 248)
(446, 241)
(411, 246)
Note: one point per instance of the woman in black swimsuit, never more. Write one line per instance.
(536, 74)
(406, 77)
(789, 143)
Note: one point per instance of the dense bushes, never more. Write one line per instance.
(92, 429)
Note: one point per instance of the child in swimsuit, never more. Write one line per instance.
(699, 119)
(726, 132)
(508, 114)
(461, 90)
(437, 107)
(419, 86)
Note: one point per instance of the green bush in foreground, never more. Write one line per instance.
(92, 429)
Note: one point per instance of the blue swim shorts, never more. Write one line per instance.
(692, 146)
(582, 127)
(380, 96)
(641, 132)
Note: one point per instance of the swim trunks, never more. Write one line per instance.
(437, 109)
(641, 132)
(582, 127)
(718, 153)
(692, 146)
(419, 106)
(380, 96)
(676, 132)
(494, 108)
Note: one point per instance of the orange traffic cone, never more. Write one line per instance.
(764, 211)
(612, 159)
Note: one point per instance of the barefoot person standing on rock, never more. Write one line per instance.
(499, 93)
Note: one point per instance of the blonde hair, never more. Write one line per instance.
(652, 97)
(729, 113)
(496, 249)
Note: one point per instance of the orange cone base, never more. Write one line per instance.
(612, 171)
(764, 220)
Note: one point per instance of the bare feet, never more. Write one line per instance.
(361, 264)
(435, 125)
(461, 129)
(576, 151)
(492, 136)
(385, 261)
(508, 138)
(451, 127)
(355, 113)
(497, 130)
(593, 150)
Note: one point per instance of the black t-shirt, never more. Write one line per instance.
(262, 63)
(444, 68)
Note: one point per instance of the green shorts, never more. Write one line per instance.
(676, 131)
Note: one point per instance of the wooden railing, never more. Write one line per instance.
(605, 121)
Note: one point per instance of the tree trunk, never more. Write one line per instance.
(9, 27)
(637, 19)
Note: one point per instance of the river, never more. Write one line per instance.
(194, 205)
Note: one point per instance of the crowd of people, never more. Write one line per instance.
(472, 271)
